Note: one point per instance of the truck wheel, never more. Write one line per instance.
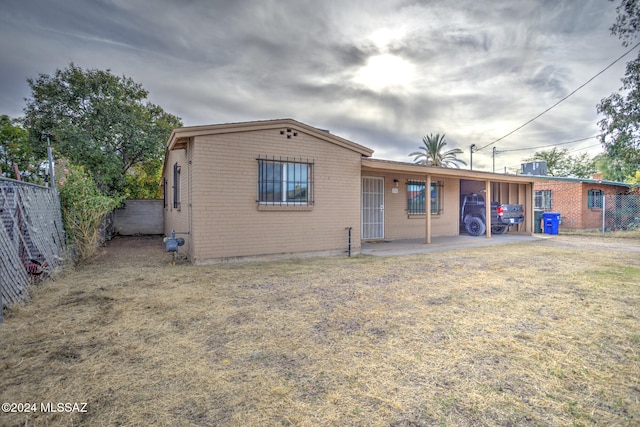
(499, 229)
(475, 226)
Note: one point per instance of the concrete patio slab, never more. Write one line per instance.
(416, 246)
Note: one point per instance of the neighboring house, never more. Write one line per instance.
(280, 187)
(578, 200)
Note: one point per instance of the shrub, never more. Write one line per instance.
(83, 207)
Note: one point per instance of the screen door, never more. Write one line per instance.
(372, 207)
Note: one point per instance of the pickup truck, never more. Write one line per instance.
(473, 215)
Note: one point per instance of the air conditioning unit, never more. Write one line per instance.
(533, 168)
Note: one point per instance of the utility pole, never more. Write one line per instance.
(494, 159)
(52, 179)
(472, 149)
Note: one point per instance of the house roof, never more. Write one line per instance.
(180, 136)
(404, 167)
(582, 180)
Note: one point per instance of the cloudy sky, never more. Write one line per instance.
(382, 73)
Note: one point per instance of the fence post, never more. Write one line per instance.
(31, 233)
(603, 213)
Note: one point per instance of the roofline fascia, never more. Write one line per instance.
(581, 180)
(194, 131)
(402, 167)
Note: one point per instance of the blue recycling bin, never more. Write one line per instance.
(551, 222)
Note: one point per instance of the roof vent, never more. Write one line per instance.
(289, 133)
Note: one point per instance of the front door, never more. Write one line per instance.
(372, 207)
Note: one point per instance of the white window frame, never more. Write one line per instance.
(545, 197)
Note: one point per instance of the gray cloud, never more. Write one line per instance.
(476, 72)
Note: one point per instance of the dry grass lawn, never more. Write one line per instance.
(534, 334)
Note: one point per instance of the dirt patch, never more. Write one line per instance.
(545, 334)
(131, 250)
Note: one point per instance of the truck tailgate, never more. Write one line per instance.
(512, 211)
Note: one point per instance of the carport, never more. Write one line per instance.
(388, 188)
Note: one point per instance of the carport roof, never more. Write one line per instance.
(582, 180)
(404, 167)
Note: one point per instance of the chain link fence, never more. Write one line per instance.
(32, 237)
(620, 212)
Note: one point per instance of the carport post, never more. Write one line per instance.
(603, 212)
(530, 216)
(487, 203)
(427, 209)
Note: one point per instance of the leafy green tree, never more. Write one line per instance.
(627, 22)
(613, 169)
(620, 127)
(83, 207)
(560, 163)
(555, 160)
(582, 166)
(99, 121)
(432, 153)
(143, 180)
(635, 181)
(15, 148)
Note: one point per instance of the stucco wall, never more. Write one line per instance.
(227, 221)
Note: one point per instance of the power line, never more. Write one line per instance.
(586, 148)
(563, 99)
(570, 151)
(550, 145)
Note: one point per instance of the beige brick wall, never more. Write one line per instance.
(178, 218)
(227, 220)
(219, 185)
(398, 224)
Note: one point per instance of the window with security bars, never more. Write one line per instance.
(176, 185)
(542, 199)
(286, 182)
(416, 197)
(164, 192)
(594, 199)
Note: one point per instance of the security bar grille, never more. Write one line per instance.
(285, 181)
(416, 197)
(372, 207)
(542, 199)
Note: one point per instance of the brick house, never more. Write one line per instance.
(276, 188)
(578, 200)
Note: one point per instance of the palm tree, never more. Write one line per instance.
(432, 153)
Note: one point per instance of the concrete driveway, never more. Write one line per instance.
(416, 246)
